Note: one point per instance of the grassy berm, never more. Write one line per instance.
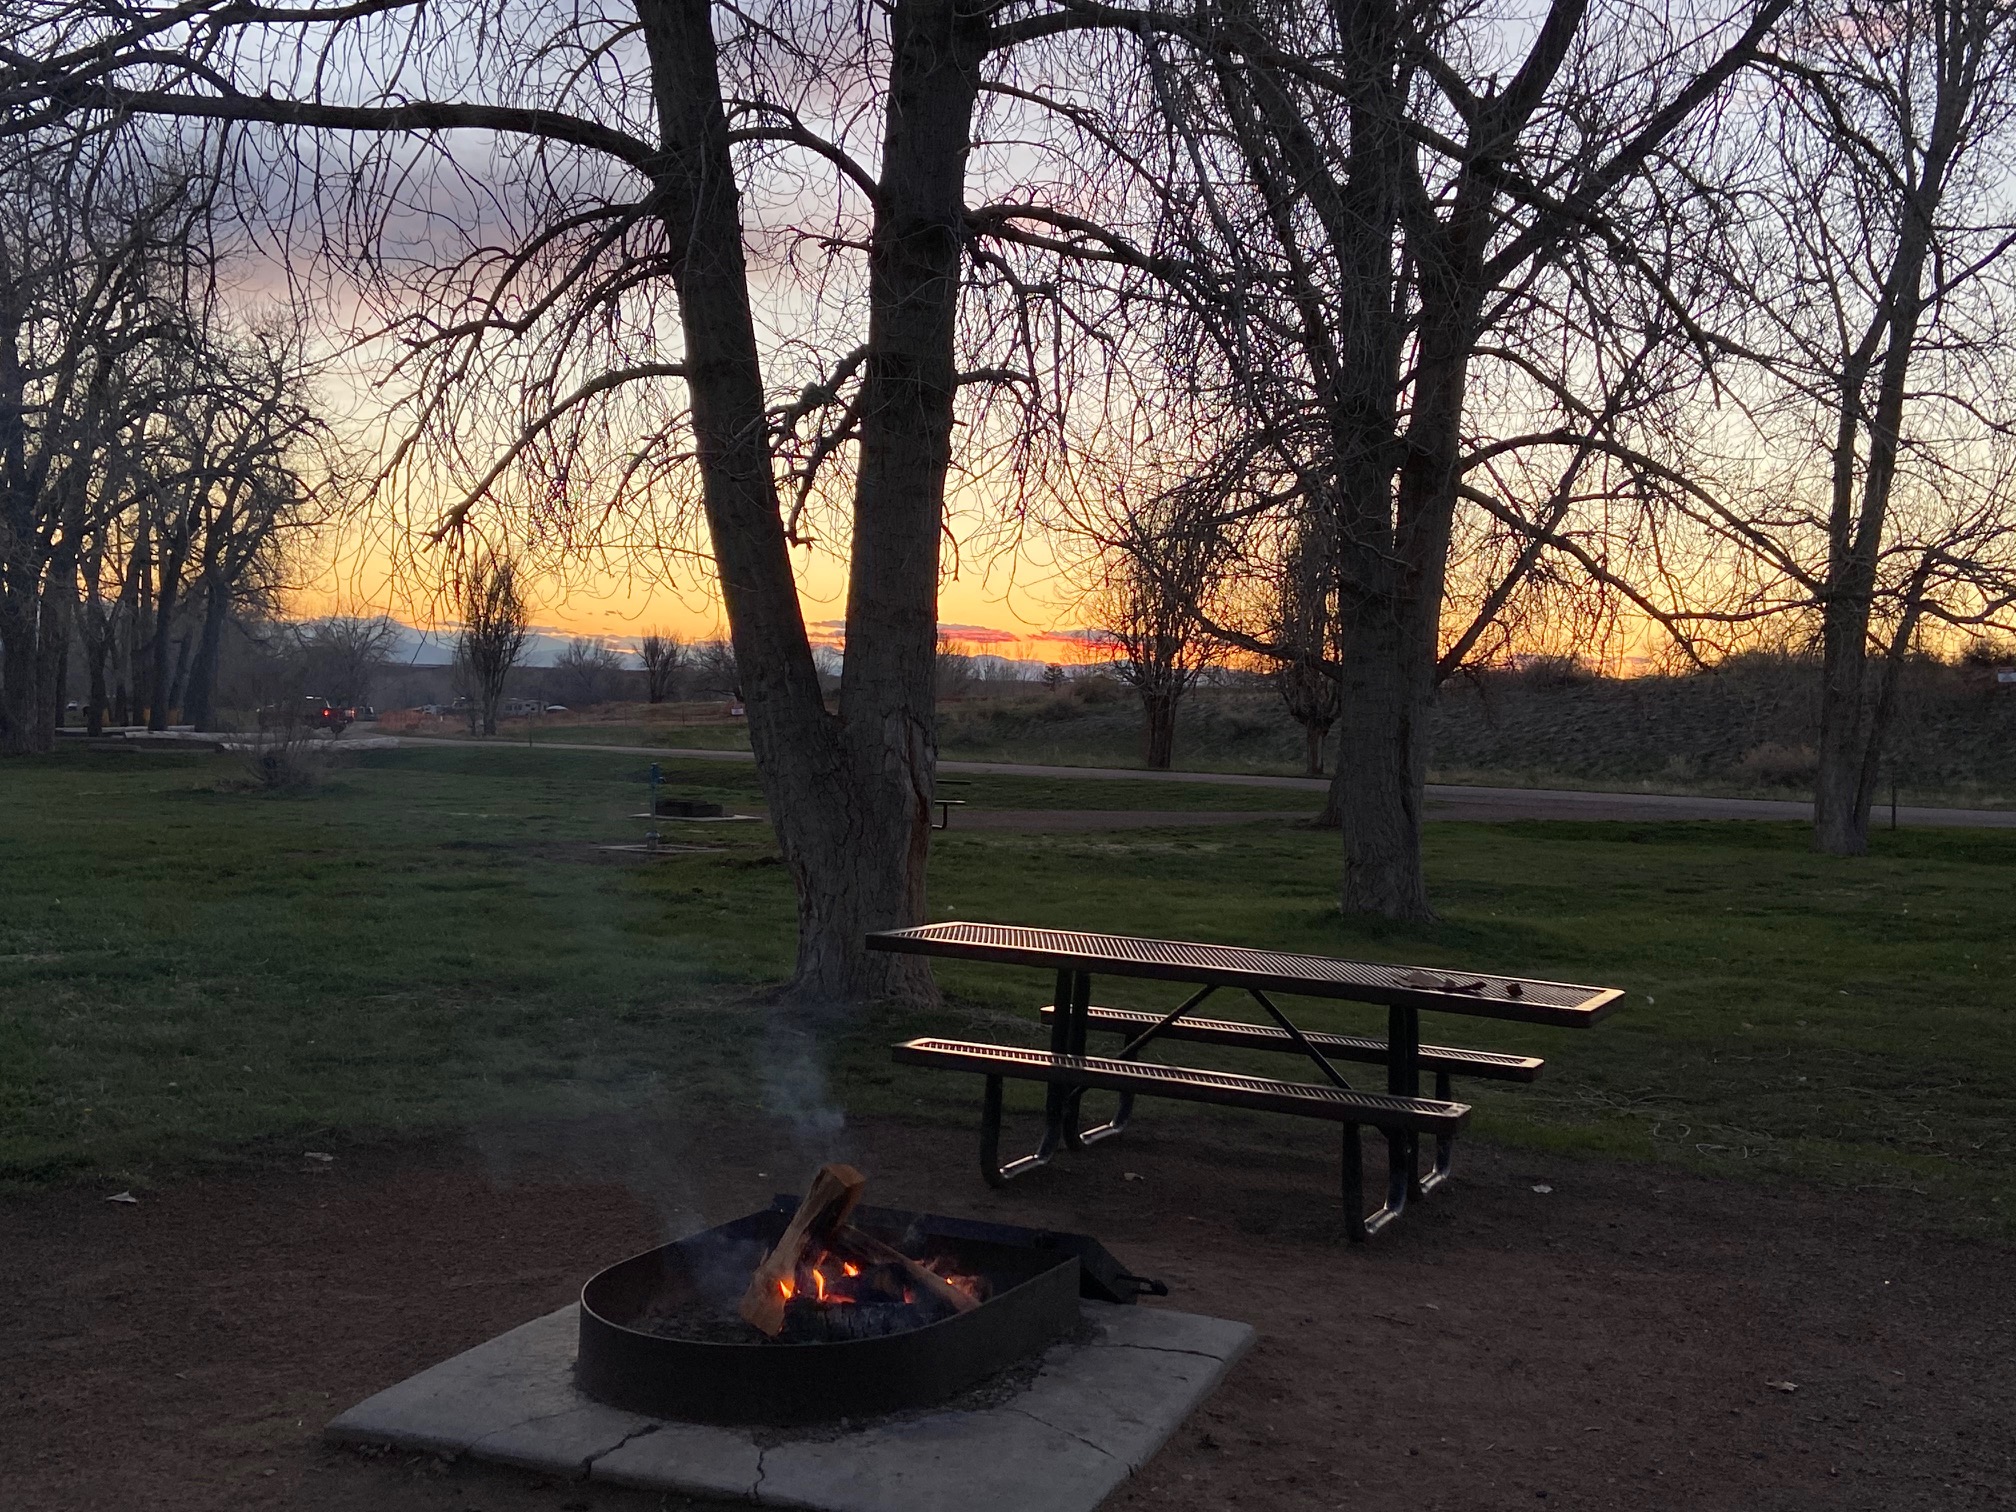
(192, 972)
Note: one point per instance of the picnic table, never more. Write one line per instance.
(1400, 1112)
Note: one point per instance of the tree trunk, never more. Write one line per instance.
(888, 682)
(202, 707)
(1382, 752)
(159, 682)
(94, 653)
(20, 699)
(1312, 748)
(52, 643)
(178, 683)
(1158, 746)
(168, 602)
(1847, 737)
(1393, 599)
(849, 794)
(1331, 815)
(20, 561)
(138, 596)
(1851, 718)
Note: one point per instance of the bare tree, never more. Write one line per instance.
(1305, 631)
(715, 669)
(1388, 200)
(495, 622)
(628, 148)
(1155, 581)
(104, 279)
(342, 654)
(663, 656)
(956, 669)
(587, 670)
(1885, 311)
(235, 457)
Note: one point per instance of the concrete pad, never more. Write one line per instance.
(514, 1397)
(1094, 1414)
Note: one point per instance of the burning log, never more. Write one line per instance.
(926, 1278)
(828, 1201)
(818, 1232)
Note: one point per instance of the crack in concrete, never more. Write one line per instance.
(1068, 1433)
(1201, 1354)
(525, 1422)
(588, 1464)
(762, 1464)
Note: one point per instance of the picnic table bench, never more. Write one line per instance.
(1400, 1113)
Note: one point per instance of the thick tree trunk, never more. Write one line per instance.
(1381, 767)
(888, 682)
(1312, 748)
(1848, 739)
(849, 793)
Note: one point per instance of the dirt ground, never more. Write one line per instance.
(1610, 1343)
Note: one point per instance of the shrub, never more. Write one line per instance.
(1778, 765)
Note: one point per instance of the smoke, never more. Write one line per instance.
(692, 1159)
(796, 1087)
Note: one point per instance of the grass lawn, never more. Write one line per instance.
(190, 972)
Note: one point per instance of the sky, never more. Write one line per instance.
(1007, 602)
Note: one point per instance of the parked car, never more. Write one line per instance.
(323, 715)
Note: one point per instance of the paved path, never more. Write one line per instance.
(1445, 800)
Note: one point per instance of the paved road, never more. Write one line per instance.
(1445, 800)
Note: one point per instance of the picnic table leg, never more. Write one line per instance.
(1403, 1079)
(1358, 1224)
(1081, 1020)
(1060, 1109)
(992, 1168)
(1445, 1144)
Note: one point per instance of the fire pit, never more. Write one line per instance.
(859, 1330)
(656, 1378)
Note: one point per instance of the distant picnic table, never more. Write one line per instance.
(1400, 1112)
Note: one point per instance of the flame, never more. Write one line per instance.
(811, 1282)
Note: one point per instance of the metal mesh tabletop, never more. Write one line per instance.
(1433, 988)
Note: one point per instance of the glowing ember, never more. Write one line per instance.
(826, 1278)
(868, 1274)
